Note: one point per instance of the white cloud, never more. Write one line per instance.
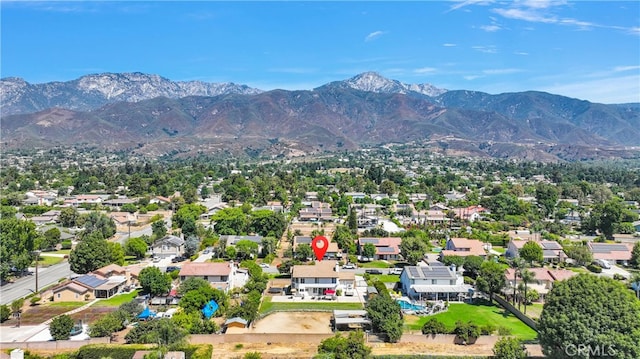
(374, 35)
(626, 68)
(486, 49)
(490, 28)
(622, 89)
(521, 53)
(471, 77)
(460, 4)
(501, 71)
(449, 45)
(425, 70)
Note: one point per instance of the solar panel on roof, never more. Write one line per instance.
(386, 249)
(304, 240)
(369, 240)
(413, 271)
(91, 281)
(606, 248)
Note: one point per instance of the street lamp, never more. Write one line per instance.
(37, 254)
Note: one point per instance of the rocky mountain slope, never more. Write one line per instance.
(366, 110)
(94, 91)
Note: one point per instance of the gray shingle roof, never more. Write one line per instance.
(430, 272)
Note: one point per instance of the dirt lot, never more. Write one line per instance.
(294, 322)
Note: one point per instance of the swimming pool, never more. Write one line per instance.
(405, 305)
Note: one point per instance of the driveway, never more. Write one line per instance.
(615, 270)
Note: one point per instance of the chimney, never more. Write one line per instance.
(337, 267)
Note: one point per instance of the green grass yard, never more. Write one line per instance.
(481, 313)
(117, 300)
(375, 264)
(45, 261)
(269, 306)
(385, 278)
(62, 251)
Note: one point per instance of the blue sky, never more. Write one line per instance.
(583, 49)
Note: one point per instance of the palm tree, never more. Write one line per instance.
(518, 264)
(527, 277)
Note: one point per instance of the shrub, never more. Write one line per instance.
(66, 244)
(434, 326)
(487, 329)
(617, 276)
(504, 331)
(5, 312)
(34, 300)
(594, 268)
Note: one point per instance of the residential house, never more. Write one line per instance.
(418, 197)
(463, 247)
(321, 278)
(83, 199)
(612, 252)
(542, 282)
(356, 195)
(333, 251)
(89, 286)
(117, 203)
(116, 271)
(48, 217)
(41, 198)
(387, 248)
(218, 274)
(231, 240)
(168, 246)
(469, 214)
(123, 218)
(317, 212)
(454, 196)
(551, 250)
(434, 283)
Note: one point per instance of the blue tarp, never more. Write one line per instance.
(146, 314)
(209, 309)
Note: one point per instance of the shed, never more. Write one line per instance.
(236, 322)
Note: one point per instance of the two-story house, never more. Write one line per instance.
(551, 250)
(434, 283)
(168, 246)
(218, 274)
(322, 278)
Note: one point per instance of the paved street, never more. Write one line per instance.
(26, 285)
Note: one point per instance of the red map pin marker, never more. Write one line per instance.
(320, 245)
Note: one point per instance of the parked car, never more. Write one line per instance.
(177, 259)
(349, 266)
(603, 263)
(264, 265)
(373, 271)
(172, 269)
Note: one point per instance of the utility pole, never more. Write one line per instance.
(37, 253)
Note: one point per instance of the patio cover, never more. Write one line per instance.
(463, 288)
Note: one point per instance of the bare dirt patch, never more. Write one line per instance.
(294, 322)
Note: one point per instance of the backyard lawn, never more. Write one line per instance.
(269, 306)
(480, 313)
(375, 264)
(45, 261)
(386, 278)
(117, 300)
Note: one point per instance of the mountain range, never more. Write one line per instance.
(153, 115)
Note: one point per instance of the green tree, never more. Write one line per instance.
(191, 245)
(458, 261)
(531, 252)
(60, 327)
(51, 238)
(188, 212)
(18, 240)
(232, 221)
(303, 251)
(509, 348)
(136, 247)
(246, 249)
(413, 249)
(605, 217)
(593, 312)
(386, 316)
(491, 278)
(153, 281)
(635, 256)
(547, 198)
(352, 220)
(5, 313)
(472, 265)
(69, 217)
(107, 325)
(369, 250)
(388, 187)
(98, 222)
(267, 223)
(580, 253)
(161, 331)
(433, 326)
(129, 207)
(91, 253)
(351, 347)
(345, 239)
(117, 253)
(159, 229)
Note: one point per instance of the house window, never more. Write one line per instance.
(76, 295)
(316, 280)
(224, 278)
(333, 280)
(206, 277)
(58, 295)
(433, 281)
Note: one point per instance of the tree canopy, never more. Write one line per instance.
(592, 312)
(153, 281)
